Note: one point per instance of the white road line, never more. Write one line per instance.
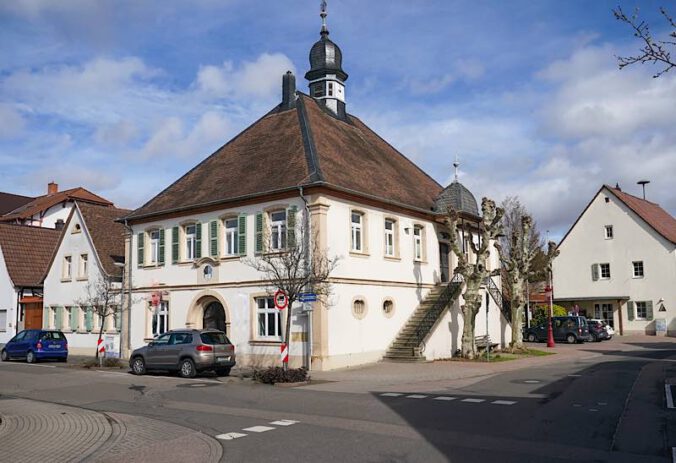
(473, 401)
(258, 429)
(36, 365)
(230, 436)
(503, 402)
(391, 394)
(603, 404)
(574, 376)
(670, 398)
(593, 410)
(532, 381)
(445, 398)
(283, 422)
(416, 396)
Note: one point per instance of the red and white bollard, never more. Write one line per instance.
(284, 353)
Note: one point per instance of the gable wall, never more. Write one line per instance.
(8, 302)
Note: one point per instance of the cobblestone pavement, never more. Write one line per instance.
(37, 431)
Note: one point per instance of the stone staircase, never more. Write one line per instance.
(409, 344)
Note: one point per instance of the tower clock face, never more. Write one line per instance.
(208, 272)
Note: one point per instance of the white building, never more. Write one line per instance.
(91, 246)
(366, 203)
(25, 253)
(618, 263)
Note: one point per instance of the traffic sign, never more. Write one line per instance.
(307, 297)
(281, 299)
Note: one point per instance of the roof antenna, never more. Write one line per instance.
(324, 13)
(456, 164)
(643, 184)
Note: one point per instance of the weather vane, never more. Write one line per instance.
(456, 164)
(324, 14)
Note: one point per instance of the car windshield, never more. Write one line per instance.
(214, 338)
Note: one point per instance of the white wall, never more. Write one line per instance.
(8, 302)
(59, 211)
(633, 240)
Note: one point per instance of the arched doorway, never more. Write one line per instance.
(214, 316)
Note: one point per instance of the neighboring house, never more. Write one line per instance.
(618, 263)
(10, 201)
(25, 253)
(92, 245)
(52, 209)
(366, 202)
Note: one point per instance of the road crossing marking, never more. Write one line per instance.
(473, 401)
(230, 436)
(283, 422)
(416, 396)
(503, 402)
(391, 394)
(445, 398)
(258, 429)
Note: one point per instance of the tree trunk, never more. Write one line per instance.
(517, 314)
(468, 347)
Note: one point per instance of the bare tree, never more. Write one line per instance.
(104, 297)
(301, 267)
(475, 273)
(653, 51)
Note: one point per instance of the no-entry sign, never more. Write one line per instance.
(281, 299)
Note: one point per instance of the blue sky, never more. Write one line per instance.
(123, 97)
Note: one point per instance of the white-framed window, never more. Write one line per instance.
(608, 232)
(357, 235)
(637, 268)
(269, 319)
(84, 266)
(231, 237)
(605, 271)
(154, 246)
(67, 270)
(389, 237)
(641, 310)
(278, 230)
(418, 242)
(3, 320)
(161, 319)
(190, 241)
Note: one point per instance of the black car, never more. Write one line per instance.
(571, 329)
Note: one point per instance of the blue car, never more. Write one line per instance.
(35, 345)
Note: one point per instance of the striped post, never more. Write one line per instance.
(284, 353)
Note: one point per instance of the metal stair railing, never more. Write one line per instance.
(503, 303)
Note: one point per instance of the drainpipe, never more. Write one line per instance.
(307, 306)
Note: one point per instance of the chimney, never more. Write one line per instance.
(52, 188)
(288, 90)
(59, 224)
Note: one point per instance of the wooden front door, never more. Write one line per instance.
(33, 315)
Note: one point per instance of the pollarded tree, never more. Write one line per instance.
(474, 274)
(103, 297)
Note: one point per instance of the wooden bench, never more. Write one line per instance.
(483, 342)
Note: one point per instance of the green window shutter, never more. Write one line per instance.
(241, 234)
(45, 317)
(58, 318)
(174, 245)
(89, 319)
(118, 320)
(630, 310)
(74, 318)
(649, 310)
(213, 238)
(259, 232)
(291, 226)
(141, 253)
(198, 240)
(595, 272)
(160, 248)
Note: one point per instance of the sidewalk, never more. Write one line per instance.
(433, 376)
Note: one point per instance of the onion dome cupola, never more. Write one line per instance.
(456, 196)
(326, 75)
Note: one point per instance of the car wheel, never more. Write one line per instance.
(595, 337)
(571, 339)
(138, 366)
(4, 356)
(532, 337)
(30, 357)
(187, 368)
(223, 371)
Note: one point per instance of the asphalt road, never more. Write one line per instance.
(608, 408)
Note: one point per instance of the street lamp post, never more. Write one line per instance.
(550, 333)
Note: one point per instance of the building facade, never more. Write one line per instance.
(618, 263)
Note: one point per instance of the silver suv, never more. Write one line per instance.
(186, 351)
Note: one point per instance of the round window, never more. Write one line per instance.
(388, 308)
(359, 308)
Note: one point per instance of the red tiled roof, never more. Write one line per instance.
(9, 202)
(107, 235)
(651, 213)
(302, 146)
(28, 252)
(42, 203)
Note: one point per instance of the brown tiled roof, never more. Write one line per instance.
(42, 203)
(301, 146)
(9, 202)
(107, 235)
(651, 213)
(28, 252)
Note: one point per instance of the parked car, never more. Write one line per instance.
(609, 329)
(571, 329)
(597, 330)
(186, 351)
(36, 345)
